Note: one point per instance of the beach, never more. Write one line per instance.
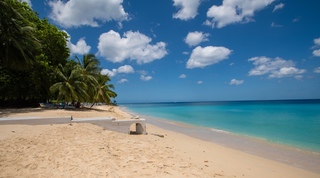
(87, 150)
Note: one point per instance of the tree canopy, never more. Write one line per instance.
(35, 65)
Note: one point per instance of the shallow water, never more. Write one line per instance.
(292, 123)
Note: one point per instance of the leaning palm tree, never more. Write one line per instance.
(103, 92)
(71, 87)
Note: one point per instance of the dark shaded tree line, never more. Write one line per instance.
(35, 65)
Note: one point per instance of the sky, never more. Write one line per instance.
(196, 50)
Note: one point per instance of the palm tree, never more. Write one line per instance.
(89, 66)
(17, 37)
(81, 81)
(71, 87)
(103, 92)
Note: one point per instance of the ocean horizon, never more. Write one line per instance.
(293, 123)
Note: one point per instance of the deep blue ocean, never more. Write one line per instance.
(294, 123)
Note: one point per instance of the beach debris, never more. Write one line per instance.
(159, 135)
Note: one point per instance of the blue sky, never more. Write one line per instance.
(197, 50)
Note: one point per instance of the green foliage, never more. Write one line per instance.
(70, 86)
(31, 50)
(34, 62)
(17, 35)
(81, 81)
(103, 90)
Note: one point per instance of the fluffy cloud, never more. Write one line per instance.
(200, 82)
(286, 71)
(194, 38)
(317, 45)
(123, 69)
(236, 82)
(80, 48)
(188, 9)
(183, 76)
(316, 52)
(123, 80)
(277, 7)
(133, 45)
(202, 57)
(316, 70)
(108, 72)
(145, 78)
(232, 11)
(276, 68)
(74, 13)
(317, 41)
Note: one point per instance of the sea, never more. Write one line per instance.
(293, 123)
(287, 130)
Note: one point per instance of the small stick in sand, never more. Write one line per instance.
(159, 135)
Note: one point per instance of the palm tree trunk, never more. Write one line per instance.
(92, 104)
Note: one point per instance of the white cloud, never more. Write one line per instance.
(74, 13)
(234, 11)
(108, 72)
(286, 71)
(188, 9)
(200, 82)
(194, 38)
(236, 82)
(27, 1)
(273, 24)
(317, 45)
(316, 52)
(123, 69)
(133, 45)
(183, 76)
(277, 7)
(123, 80)
(276, 68)
(316, 70)
(317, 41)
(145, 78)
(80, 48)
(202, 57)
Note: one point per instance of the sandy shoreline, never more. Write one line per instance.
(86, 150)
(301, 158)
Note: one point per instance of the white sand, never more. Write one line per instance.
(86, 150)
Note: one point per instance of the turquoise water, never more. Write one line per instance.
(295, 123)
